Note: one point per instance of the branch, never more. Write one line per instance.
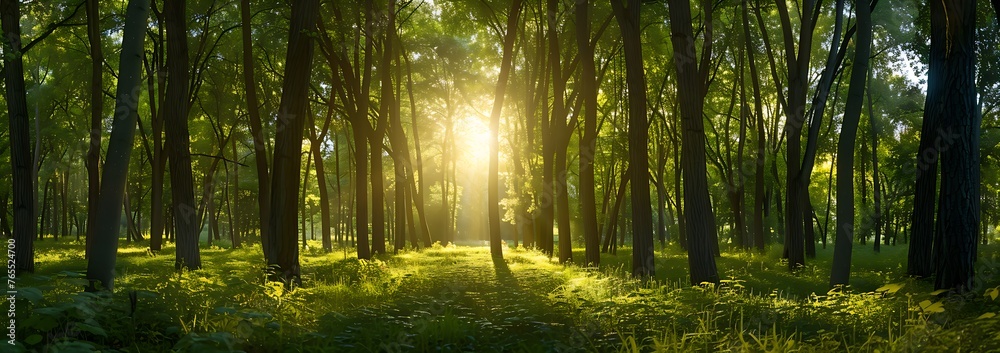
(52, 27)
(219, 157)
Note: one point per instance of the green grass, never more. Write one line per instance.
(456, 299)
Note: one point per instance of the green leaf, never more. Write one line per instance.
(993, 293)
(31, 294)
(33, 339)
(929, 307)
(939, 292)
(986, 316)
(93, 329)
(890, 288)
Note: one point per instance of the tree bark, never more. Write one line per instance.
(496, 248)
(178, 137)
(692, 85)
(960, 122)
(96, 115)
(841, 272)
(284, 259)
(101, 263)
(256, 131)
(20, 139)
(642, 221)
(588, 142)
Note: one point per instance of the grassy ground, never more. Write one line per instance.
(452, 299)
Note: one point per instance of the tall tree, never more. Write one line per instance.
(101, 263)
(256, 131)
(951, 94)
(186, 222)
(588, 142)
(841, 272)
(496, 249)
(692, 82)
(96, 115)
(284, 258)
(643, 264)
(20, 137)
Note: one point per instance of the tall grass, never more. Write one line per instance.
(451, 299)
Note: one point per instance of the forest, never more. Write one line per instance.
(500, 175)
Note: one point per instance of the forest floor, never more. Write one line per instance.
(453, 299)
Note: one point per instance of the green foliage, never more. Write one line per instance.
(453, 299)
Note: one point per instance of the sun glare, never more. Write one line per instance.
(474, 135)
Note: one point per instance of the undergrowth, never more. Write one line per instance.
(456, 299)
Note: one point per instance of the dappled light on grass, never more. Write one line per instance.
(449, 298)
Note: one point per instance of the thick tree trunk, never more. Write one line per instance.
(841, 272)
(692, 85)
(642, 221)
(284, 259)
(960, 122)
(20, 139)
(101, 263)
(256, 130)
(178, 138)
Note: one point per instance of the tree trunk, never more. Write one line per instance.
(692, 85)
(959, 121)
(260, 152)
(101, 263)
(284, 259)
(418, 188)
(642, 228)
(841, 272)
(588, 142)
(496, 249)
(96, 115)
(178, 138)
(20, 139)
(155, 71)
(876, 186)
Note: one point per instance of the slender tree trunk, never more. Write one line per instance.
(418, 188)
(588, 142)
(156, 82)
(317, 141)
(876, 186)
(841, 272)
(101, 263)
(96, 115)
(284, 259)
(256, 130)
(609, 234)
(493, 184)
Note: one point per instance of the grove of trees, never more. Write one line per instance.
(389, 125)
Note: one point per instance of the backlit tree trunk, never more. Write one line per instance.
(692, 82)
(638, 136)
(284, 259)
(588, 142)
(104, 249)
(841, 272)
(20, 139)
